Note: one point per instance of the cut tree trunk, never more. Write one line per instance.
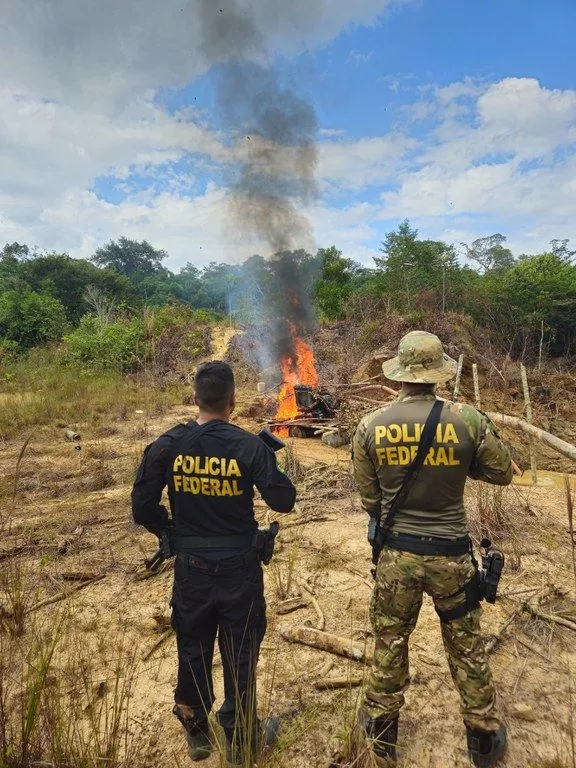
(324, 641)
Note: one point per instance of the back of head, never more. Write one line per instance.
(214, 386)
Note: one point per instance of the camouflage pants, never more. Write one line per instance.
(401, 580)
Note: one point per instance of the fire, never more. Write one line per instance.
(302, 370)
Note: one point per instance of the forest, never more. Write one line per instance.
(101, 308)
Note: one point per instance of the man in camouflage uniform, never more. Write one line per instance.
(427, 548)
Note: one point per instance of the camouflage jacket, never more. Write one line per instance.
(466, 445)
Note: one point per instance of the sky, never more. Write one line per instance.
(459, 115)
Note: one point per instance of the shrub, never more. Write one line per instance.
(29, 318)
(118, 346)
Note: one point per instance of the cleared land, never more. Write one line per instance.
(70, 520)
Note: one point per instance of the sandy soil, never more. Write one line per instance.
(59, 489)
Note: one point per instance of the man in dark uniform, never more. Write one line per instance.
(211, 467)
(427, 548)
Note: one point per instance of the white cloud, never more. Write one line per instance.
(360, 163)
(498, 160)
(78, 104)
(99, 54)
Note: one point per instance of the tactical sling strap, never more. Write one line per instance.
(428, 434)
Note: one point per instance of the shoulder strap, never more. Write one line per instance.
(426, 440)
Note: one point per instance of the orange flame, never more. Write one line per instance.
(299, 371)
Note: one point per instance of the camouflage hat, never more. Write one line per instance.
(420, 360)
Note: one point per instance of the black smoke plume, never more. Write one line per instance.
(274, 133)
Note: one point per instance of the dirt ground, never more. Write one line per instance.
(60, 490)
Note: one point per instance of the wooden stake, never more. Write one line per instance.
(458, 377)
(570, 508)
(476, 386)
(528, 404)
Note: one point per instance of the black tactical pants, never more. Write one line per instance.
(224, 597)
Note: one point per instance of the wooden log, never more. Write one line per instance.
(290, 605)
(561, 446)
(335, 683)
(324, 641)
(528, 404)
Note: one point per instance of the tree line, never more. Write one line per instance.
(522, 301)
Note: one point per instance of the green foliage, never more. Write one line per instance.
(131, 258)
(118, 346)
(68, 279)
(29, 318)
(490, 253)
(335, 283)
(410, 266)
(513, 299)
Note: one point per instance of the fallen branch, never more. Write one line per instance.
(379, 387)
(160, 641)
(361, 577)
(64, 595)
(290, 605)
(334, 683)
(495, 639)
(359, 383)
(324, 641)
(561, 446)
(321, 623)
(549, 617)
(369, 400)
(77, 576)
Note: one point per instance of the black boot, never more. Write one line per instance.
(485, 748)
(242, 751)
(197, 732)
(383, 733)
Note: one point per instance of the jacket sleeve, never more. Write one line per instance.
(493, 462)
(275, 487)
(365, 474)
(150, 482)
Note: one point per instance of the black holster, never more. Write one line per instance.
(265, 542)
(375, 537)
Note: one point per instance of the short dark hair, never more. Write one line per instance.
(214, 386)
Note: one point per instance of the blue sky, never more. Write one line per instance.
(458, 114)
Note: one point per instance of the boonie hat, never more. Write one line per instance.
(421, 360)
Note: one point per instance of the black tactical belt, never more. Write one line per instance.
(183, 543)
(427, 545)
